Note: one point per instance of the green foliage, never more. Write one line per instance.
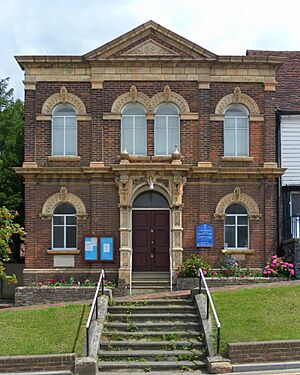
(8, 228)
(11, 148)
(229, 266)
(190, 267)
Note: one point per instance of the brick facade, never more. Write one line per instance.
(98, 83)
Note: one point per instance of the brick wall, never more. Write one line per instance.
(51, 362)
(265, 351)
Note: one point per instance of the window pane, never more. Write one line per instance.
(127, 133)
(58, 220)
(242, 236)
(229, 123)
(230, 220)
(71, 220)
(167, 109)
(150, 199)
(58, 237)
(229, 142)
(173, 134)
(295, 204)
(64, 110)
(64, 208)
(71, 237)
(58, 136)
(71, 130)
(140, 136)
(229, 237)
(242, 220)
(242, 142)
(242, 123)
(236, 208)
(160, 135)
(236, 110)
(133, 109)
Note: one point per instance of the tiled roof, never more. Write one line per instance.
(287, 77)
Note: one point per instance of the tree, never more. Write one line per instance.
(8, 228)
(11, 148)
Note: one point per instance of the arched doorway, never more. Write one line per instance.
(150, 232)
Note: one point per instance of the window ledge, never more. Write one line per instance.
(161, 158)
(237, 251)
(63, 252)
(64, 158)
(238, 158)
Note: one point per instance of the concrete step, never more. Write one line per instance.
(152, 355)
(150, 283)
(150, 275)
(160, 302)
(144, 290)
(151, 345)
(163, 335)
(151, 309)
(147, 366)
(141, 327)
(178, 317)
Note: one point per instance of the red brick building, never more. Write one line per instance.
(140, 141)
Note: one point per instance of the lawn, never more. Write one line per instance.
(43, 331)
(259, 314)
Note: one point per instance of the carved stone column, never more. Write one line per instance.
(124, 184)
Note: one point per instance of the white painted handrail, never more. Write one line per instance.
(130, 273)
(171, 271)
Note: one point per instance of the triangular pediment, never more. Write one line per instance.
(150, 40)
(149, 48)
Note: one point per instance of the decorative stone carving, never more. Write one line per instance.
(178, 183)
(150, 104)
(237, 98)
(237, 197)
(149, 48)
(63, 97)
(122, 183)
(177, 219)
(163, 182)
(62, 197)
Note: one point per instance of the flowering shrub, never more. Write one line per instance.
(71, 282)
(278, 267)
(190, 267)
(230, 267)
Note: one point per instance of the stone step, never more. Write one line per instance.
(147, 366)
(150, 275)
(163, 335)
(141, 327)
(150, 283)
(151, 309)
(178, 317)
(160, 302)
(151, 355)
(151, 345)
(141, 291)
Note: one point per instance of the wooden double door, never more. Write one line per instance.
(150, 240)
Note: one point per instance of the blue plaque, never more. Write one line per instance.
(106, 248)
(204, 235)
(90, 248)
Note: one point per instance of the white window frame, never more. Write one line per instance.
(235, 128)
(65, 226)
(52, 133)
(133, 133)
(236, 226)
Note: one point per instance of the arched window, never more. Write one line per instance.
(236, 131)
(166, 129)
(64, 227)
(236, 227)
(64, 131)
(150, 199)
(134, 129)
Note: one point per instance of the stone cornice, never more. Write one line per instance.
(161, 168)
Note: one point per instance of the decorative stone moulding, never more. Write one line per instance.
(150, 104)
(61, 98)
(237, 197)
(237, 97)
(63, 197)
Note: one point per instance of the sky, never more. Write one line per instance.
(71, 27)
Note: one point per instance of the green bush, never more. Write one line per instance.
(190, 267)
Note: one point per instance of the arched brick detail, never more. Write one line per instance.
(63, 197)
(237, 197)
(63, 97)
(237, 98)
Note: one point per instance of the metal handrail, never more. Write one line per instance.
(209, 302)
(130, 273)
(171, 271)
(94, 308)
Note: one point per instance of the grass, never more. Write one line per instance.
(43, 331)
(259, 314)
